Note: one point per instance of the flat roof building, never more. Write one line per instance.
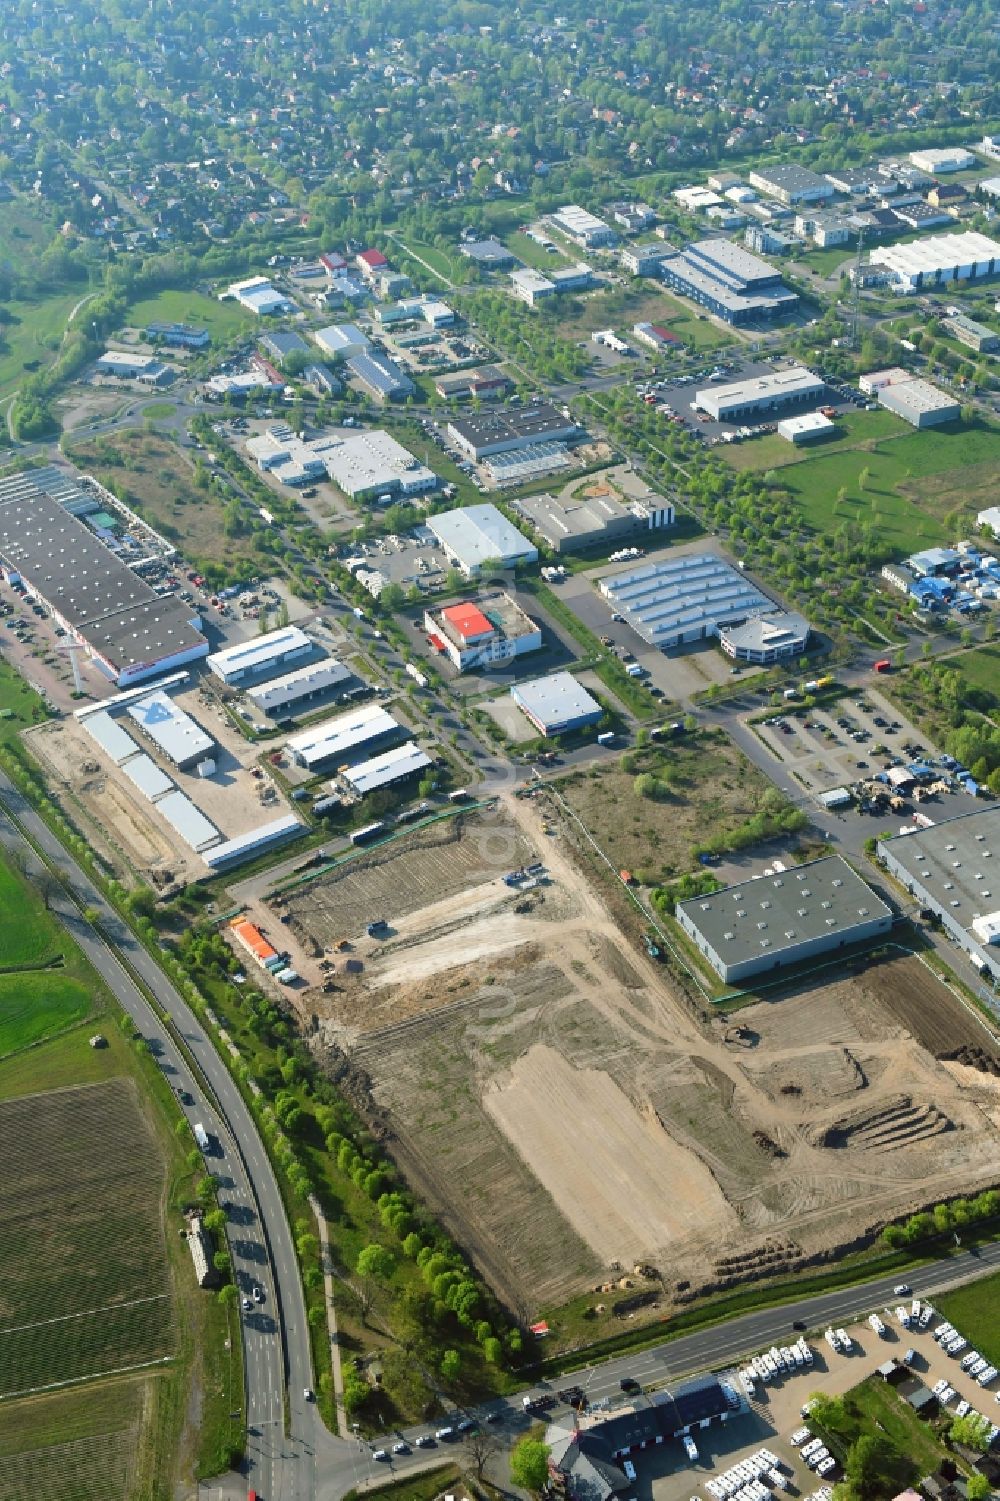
(762, 393)
(283, 342)
(782, 919)
(915, 400)
(764, 639)
(345, 738)
(258, 296)
(130, 631)
(791, 184)
(291, 693)
(531, 286)
(381, 377)
(730, 281)
(947, 159)
(938, 260)
(262, 657)
(487, 381)
(382, 770)
(684, 599)
(484, 634)
(497, 432)
(477, 535)
(173, 732)
(371, 464)
(556, 704)
(179, 335)
(949, 868)
(342, 341)
(583, 227)
(595, 516)
(490, 254)
(129, 366)
(806, 428)
(974, 335)
(246, 846)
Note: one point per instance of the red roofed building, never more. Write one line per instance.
(370, 263)
(482, 635)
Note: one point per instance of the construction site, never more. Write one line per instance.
(548, 1088)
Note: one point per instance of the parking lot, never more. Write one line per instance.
(848, 743)
(776, 1412)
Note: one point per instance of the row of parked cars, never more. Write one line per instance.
(813, 1450)
(753, 1479)
(973, 1364)
(778, 1361)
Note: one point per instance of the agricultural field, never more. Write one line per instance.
(702, 788)
(30, 335)
(157, 477)
(917, 490)
(224, 320)
(99, 1299)
(489, 1022)
(75, 1446)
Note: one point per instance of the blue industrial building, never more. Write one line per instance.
(727, 280)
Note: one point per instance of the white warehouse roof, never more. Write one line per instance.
(254, 655)
(936, 254)
(479, 534)
(386, 768)
(189, 822)
(169, 728)
(110, 736)
(339, 736)
(144, 773)
(299, 684)
(232, 851)
(684, 598)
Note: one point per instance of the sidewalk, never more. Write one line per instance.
(331, 1317)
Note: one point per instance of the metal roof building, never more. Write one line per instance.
(297, 688)
(480, 534)
(917, 401)
(113, 740)
(497, 432)
(784, 919)
(381, 377)
(144, 773)
(760, 394)
(188, 821)
(390, 766)
(245, 846)
(593, 517)
(766, 638)
(374, 463)
(556, 704)
(939, 259)
(131, 632)
(263, 656)
(790, 183)
(732, 283)
(342, 340)
(684, 598)
(953, 868)
(171, 730)
(344, 737)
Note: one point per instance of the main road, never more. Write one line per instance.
(281, 1459)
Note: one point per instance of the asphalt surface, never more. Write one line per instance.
(280, 1465)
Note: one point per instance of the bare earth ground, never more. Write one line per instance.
(564, 1111)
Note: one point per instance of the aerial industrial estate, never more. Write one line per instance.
(499, 589)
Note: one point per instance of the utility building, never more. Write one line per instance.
(556, 704)
(784, 919)
(293, 692)
(262, 657)
(345, 738)
(172, 731)
(477, 535)
(761, 395)
(684, 599)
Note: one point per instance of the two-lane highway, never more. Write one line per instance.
(281, 1464)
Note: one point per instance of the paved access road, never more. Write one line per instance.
(281, 1467)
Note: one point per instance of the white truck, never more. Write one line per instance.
(201, 1136)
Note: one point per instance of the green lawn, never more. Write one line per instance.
(28, 934)
(980, 668)
(437, 259)
(975, 1312)
(31, 334)
(697, 328)
(36, 1003)
(535, 255)
(920, 489)
(222, 319)
(854, 430)
(873, 1407)
(19, 704)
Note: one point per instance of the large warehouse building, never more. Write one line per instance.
(594, 517)
(556, 704)
(500, 432)
(761, 395)
(784, 919)
(685, 598)
(791, 184)
(480, 534)
(729, 281)
(370, 465)
(262, 657)
(293, 692)
(384, 769)
(949, 869)
(173, 732)
(915, 400)
(130, 631)
(345, 738)
(938, 260)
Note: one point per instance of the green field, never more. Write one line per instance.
(854, 430)
(222, 319)
(980, 668)
(440, 262)
(534, 255)
(29, 934)
(975, 1312)
(871, 1406)
(696, 328)
(36, 1003)
(19, 704)
(920, 489)
(76, 1446)
(31, 335)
